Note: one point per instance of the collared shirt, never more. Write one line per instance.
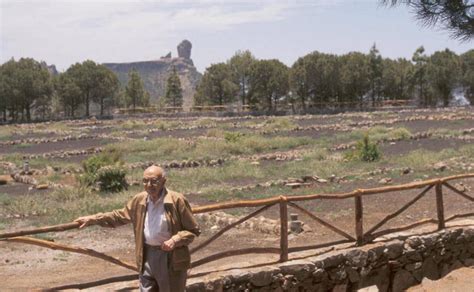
(184, 229)
(156, 229)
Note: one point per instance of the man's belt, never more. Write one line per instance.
(154, 247)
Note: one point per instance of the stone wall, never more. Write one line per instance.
(390, 266)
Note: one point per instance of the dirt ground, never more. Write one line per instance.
(457, 281)
(25, 267)
(49, 268)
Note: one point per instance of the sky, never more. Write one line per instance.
(68, 31)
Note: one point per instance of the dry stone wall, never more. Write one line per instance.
(391, 266)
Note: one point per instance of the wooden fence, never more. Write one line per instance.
(360, 236)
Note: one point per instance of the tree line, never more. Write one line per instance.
(28, 91)
(353, 78)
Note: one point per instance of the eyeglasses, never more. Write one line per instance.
(151, 181)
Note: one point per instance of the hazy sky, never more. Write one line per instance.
(67, 31)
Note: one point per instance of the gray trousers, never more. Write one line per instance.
(157, 276)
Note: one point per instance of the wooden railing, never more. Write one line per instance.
(360, 237)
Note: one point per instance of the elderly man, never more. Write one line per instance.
(164, 226)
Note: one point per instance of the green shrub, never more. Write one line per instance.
(365, 151)
(233, 137)
(105, 171)
(111, 179)
(400, 133)
(93, 163)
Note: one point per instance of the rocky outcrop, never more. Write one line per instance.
(167, 56)
(155, 73)
(184, 49)
(51, 68)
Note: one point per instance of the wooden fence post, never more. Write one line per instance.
(439, 205)
(283, 229)
(359, 228)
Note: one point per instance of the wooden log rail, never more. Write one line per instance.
(284, 201)
(396, 213)
(85, 251)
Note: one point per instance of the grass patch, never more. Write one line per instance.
(215, 133)
(380, 133)
(55, 177)
(446, 132)
(17, 159)
(64, 205)
(205, 122)
(278, 124)
(5, 199)
(261, 193)
(421, 159)
(467, 150)
(166, 149)
(58, 126)
(166, 125)
(216, 180)
(22, 146)
(27, 205)
(231, 174)
(44, 236)
(132, 124)
(6, 133)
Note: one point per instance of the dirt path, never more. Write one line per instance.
(460, 280)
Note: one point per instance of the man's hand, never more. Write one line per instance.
(168, 245)
(86, 220)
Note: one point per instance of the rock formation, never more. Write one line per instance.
(51, 68)
(167, 56)
(155, 73)
(184, 49)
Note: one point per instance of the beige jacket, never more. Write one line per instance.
(181, 223)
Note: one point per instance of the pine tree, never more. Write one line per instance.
(96, 83)
(419, 76)
(174, 92)
(240, 65)
(375, 74)
(135, 92)
(216, 86)
(454, 16)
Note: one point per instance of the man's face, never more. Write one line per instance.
(153, 181)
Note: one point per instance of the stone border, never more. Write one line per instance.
(390, 266)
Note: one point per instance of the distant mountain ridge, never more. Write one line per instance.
(155, 73)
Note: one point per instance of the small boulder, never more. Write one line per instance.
(5, 179)
(440, 166)
(42, 186)
(407, 170)
(385, 180)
